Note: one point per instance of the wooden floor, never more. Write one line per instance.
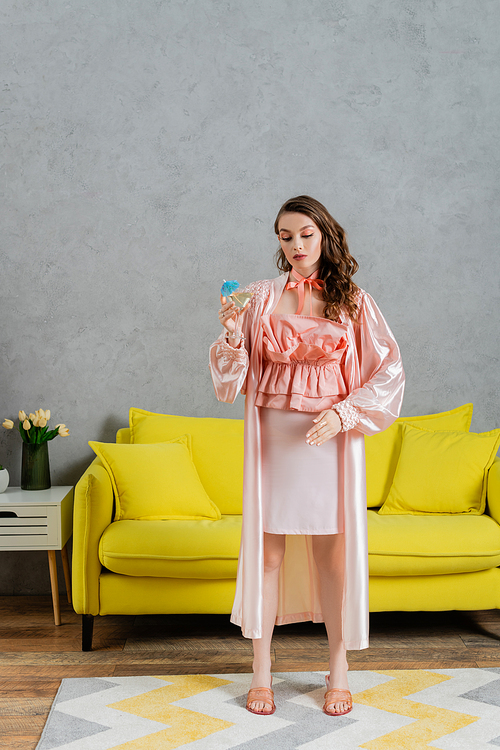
(35, 654)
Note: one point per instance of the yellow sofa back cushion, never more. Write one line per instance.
(383, 450)
(217, 450)
(441, 472)
(155, 482)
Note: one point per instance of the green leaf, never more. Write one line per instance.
(43, 435)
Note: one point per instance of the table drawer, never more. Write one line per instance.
(29, 525)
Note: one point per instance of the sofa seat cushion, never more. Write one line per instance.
(172, 549)
(431, 545)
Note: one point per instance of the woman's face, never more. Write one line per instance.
(300, 240)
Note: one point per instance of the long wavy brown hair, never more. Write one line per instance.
(337, 266)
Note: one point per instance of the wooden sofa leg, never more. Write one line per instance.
(87, 631)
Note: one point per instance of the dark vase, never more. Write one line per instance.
(35, 469)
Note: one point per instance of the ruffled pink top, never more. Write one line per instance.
(303, 357)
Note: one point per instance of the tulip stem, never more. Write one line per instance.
(23, 433)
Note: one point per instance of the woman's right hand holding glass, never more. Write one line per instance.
(231, 317)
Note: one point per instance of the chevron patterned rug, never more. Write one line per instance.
(393, 710)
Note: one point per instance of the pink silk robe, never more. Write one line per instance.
(375, 378)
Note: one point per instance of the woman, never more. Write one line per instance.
(320, 368)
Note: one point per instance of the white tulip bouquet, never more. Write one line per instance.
(34, 428)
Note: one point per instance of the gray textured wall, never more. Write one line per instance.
(147, 147)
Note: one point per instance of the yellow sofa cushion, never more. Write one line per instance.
(172, 549)
(217, 446)
(382, 450)
(431, 545)
(441, 472)
(157, 481)
(398, 546)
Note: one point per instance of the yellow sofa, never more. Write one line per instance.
(416, 562)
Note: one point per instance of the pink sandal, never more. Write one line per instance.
(261, 695)
(336, 695)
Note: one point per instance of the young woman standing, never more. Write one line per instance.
(320, 369)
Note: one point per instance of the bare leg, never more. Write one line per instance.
(329, 557)
(274, 550)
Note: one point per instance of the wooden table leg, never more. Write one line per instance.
(67, 576)
(53, 585)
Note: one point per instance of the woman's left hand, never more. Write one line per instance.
(328, 425)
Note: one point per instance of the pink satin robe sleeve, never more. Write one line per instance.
(378, 400)
(229, 366)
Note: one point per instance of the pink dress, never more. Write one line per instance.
(302, 376)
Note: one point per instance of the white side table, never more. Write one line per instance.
(39, 519)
